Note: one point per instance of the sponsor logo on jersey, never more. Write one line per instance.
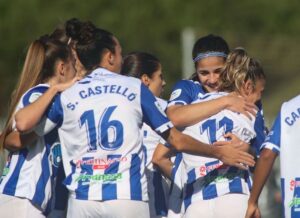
(294, 184)
(34, 96)
(224, 177)
(55, 155)
(295, 202)
(100, 163)
(175, 94)
(105, 178)
(205, 169)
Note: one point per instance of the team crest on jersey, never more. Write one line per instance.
(34, 96)
(55, 155)
(175, 94)
(159, 107)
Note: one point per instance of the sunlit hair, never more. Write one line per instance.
(136, 64)
(38, 67)
(238, 69)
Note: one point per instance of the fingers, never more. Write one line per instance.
(246, 158)
(241, 166)
(222, 143)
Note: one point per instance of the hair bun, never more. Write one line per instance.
(83, 32)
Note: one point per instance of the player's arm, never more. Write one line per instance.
(189, 114)
(227, 153)
(161, 159)
(29, 116)
(261, 173)
(15, 141)
(158, 121)
(270, 150)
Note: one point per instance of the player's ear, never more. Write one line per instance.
(60, 68)
(145, 79)
(248, 86)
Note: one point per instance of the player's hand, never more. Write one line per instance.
(63, 86)
(252, 211)
(235, 141)
(239, 104)
(233, 157)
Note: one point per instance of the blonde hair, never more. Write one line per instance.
(238, 69)
(39, 64)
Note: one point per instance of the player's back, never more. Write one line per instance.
(101, 137)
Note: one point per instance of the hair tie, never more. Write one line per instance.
(209, 54)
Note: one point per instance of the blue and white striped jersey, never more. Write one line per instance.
(208, 178)
(284, 138)
(158, 186)
(100, 120)
(30, 173)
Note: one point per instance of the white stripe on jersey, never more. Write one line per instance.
(207, 177)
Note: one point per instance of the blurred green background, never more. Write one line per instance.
(268, 29)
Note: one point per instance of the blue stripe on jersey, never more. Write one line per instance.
(82, 190)
(10, 186)
(152, 114)
(177, 162)
(144, 147)
(282, 181)
(109, 190)
(235, 185)
(39, 194)
(210, 192)
(189, 188)
(135, 178)
(55, 111)
(274, 134)
(259, 127)
(60, 192)
(68, 179)
(159, 197)
(27, 96)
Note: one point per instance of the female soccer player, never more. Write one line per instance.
(26, 183)
(283, 139)
(148, 69)
(99, 120)
(213, 189)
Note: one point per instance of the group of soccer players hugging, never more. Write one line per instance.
(88, 136)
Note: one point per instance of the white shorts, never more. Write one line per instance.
(226, 206)
(107, 209)
(14, 207)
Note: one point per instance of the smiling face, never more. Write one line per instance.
(208, 70)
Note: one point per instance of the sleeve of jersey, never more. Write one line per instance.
(31, 96)
(272, 141)
(184, 92)
(153, 114)
(53, 118)
(259, 127)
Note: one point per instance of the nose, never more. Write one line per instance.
(163, 83)
(213, 78)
